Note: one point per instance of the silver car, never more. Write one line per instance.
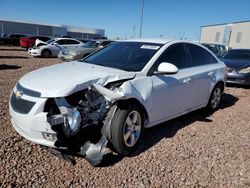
(83, 51)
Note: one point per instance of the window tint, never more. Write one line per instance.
(128, 56)
(72, 42)
(105, 43)
(60, 42)
(176, 55)
(199, 56)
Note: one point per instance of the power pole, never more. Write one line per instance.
(142, 6)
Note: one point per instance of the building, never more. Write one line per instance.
(35, 28)
(232, 35)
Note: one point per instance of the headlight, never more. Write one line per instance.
(245, 70)
(65, 52)
(73, 53)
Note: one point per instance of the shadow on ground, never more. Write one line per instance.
(12, 49)
(6, 67)
(13, 57)
(238, 86)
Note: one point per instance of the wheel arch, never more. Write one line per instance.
(134, 101)
(46, 49)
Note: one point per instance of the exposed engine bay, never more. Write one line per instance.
(70, 116)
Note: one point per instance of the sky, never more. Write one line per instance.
(121, 18)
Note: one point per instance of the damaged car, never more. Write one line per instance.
(118, 91)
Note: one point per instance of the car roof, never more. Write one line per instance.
(150, 40)
(100, 40)
(59, 38)
(240, 49)
(213, 44)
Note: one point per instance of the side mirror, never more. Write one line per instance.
(166, 68)
(101, 46)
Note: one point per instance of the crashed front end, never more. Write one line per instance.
(63, 122)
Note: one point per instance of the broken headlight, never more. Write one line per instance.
(72, 120)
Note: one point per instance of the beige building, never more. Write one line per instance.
(232, 35)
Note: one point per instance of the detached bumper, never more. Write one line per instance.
(238, 78)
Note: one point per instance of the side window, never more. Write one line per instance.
(105, 43)
(60, 42)
(199, 56)
(176, 55)
(72, 42)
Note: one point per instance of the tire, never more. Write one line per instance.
(46, 53)
(126, 129)
(215, 98)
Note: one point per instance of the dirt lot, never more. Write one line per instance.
(196, 150)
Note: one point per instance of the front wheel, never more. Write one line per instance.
(215, 98)
(46, 53)
(126, 129)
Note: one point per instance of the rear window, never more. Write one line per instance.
(199, 56)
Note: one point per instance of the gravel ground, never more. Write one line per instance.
(195, 150)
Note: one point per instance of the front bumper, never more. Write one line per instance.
(31, 125)
(34, 52)
(238, 78)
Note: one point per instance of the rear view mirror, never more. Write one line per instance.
(166, 68)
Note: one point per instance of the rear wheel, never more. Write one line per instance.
(215, 98)
(126, 129)
(46, 53)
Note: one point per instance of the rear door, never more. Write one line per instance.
(203, 74)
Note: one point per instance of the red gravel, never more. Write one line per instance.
(196, 150)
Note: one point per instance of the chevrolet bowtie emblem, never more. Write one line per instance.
(18, 94)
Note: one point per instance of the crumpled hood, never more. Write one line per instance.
(66, 78)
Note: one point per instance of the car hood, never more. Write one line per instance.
(236, 64)
(37, 42)
(66, 78)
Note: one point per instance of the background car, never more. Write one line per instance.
(27, 42)
(118, 90)
(83, 51)
(11, 39)
(238, 66)
(54, 46)
(217, 49)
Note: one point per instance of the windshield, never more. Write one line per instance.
(50, 41)
(91, 44)
(237, 54)
(128, 56)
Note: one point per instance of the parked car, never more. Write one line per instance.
(53, 47)
(27, 42)
(120, 89)
(238, 66)
(217, 49)
(83, 51)
(11, 39)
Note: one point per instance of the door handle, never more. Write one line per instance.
(211, 73)
(186, 81)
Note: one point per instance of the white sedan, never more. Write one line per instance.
(119, 90)
(54, 46)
